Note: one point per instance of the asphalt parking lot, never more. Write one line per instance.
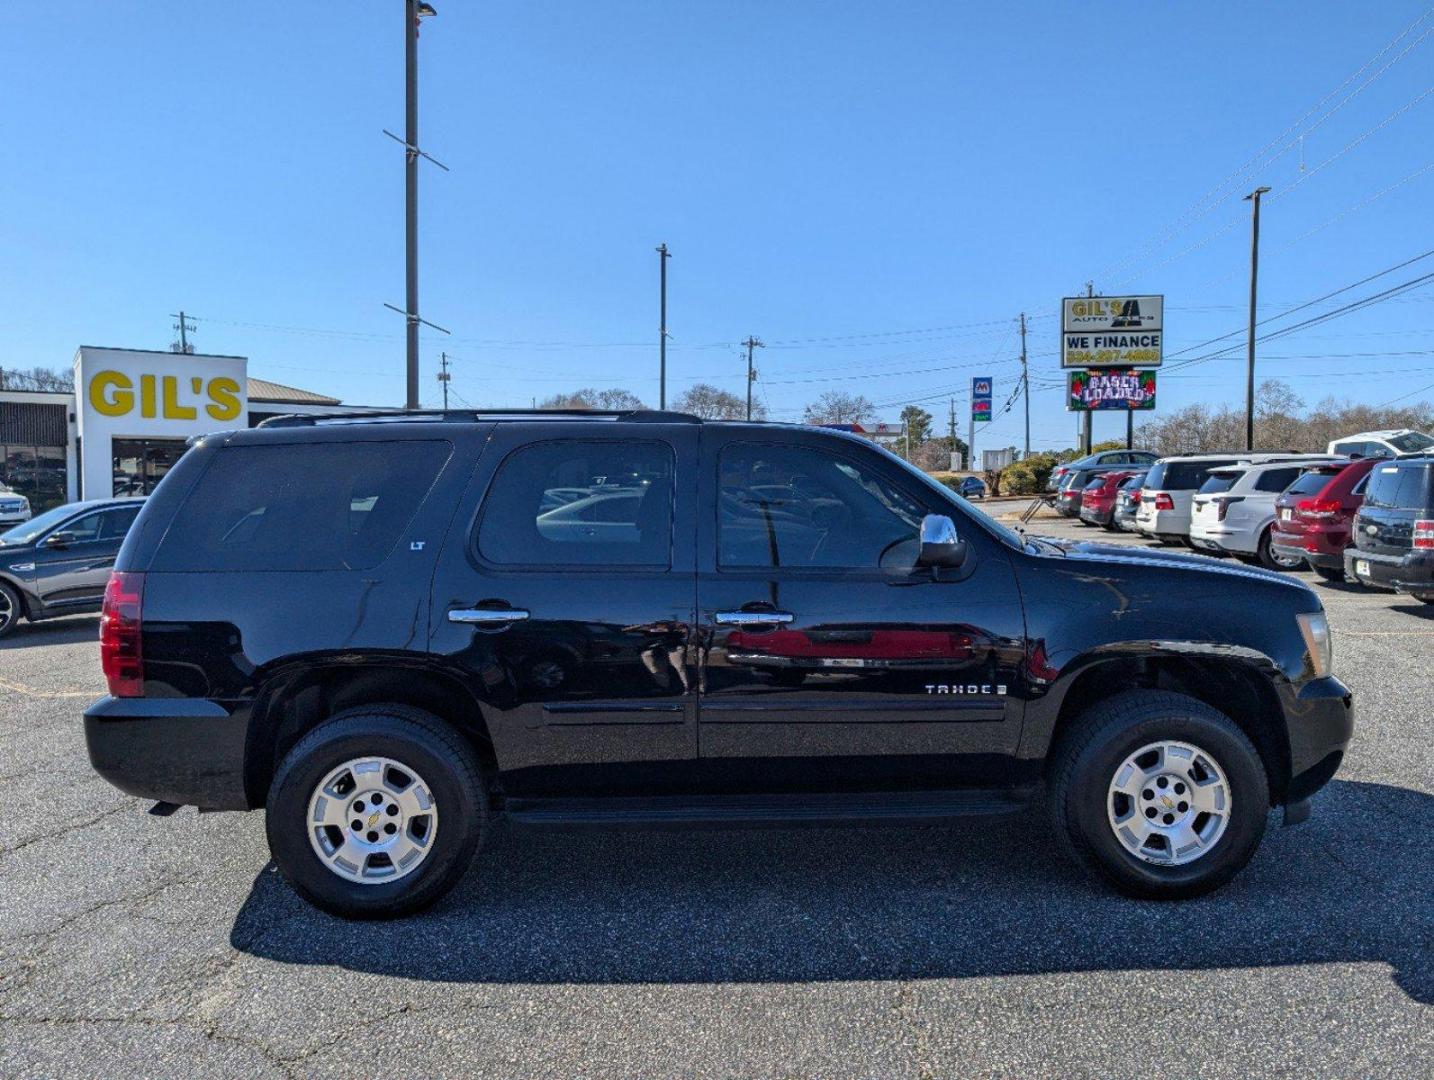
(135, 945)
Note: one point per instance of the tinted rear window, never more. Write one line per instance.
(1310, 482)
(1133, 483)
(1400, 487)
(1218, 482)
(1181, 475)
(318, 506)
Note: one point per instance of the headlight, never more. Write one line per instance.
(1314, 628)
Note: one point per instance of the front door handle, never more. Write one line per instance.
(752, 618)
(487, 616)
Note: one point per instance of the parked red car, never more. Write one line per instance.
(1097, 501)
(1314, 515)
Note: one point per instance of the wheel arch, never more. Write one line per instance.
(1238, 688)
(29, 604)
(297, 700)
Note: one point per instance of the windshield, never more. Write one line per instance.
(32, 529)
(1410, 442)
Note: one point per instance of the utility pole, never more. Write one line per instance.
(1025, 384)
(752, 343)
(1254, 199)
(182, 345)
(662, 256)
(952, 461)
(1085, 417)
(444, 377)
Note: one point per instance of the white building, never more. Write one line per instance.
(128, 419)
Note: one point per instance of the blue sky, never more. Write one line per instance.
(876, 190)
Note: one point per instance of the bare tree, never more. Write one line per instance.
(588, 398)
(711, 403)
(836, 407)
(37, 378)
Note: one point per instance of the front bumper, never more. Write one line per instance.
(180, 750)
(1411, 573)
(1320, 721)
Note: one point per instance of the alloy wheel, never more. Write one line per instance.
(1169, 803)
(372, 820)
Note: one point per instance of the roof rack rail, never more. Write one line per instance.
(391, 416)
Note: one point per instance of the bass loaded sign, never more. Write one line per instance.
(1112, 331)
(1111, 390)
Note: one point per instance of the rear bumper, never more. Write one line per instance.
(1411, 573)
(1096, 515)
(179, 750)
(1282, 546)
(1320, 723)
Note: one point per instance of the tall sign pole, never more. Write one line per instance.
(1254, 199)
(662, 256)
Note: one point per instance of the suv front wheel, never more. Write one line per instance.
(376, 812)
(1159, 794)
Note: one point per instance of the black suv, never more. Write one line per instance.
(385, 631)
(1393, 532)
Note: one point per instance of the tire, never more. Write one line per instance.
(1330, 573)
(442, 766)
(1269, 560)
(11, 608)
(1083, 803)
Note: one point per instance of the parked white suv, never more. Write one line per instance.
(14, 507)
(1232, 512)
(1382, 443)
(1170, 487)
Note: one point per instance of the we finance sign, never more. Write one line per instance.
(1112, 331)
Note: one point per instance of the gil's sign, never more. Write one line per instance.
(1112, 331)
(1111, 390)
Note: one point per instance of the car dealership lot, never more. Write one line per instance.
(162, 946)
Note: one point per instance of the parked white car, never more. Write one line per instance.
(1234, 509)
(1382, 443)
(14, 507)
(1170, 487)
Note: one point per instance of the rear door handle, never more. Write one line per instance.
(752, 618)
(487, 616)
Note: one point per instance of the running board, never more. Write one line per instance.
(741, 810)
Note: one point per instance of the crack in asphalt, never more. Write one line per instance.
(66, 830)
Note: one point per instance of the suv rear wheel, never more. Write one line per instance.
(1270, 560)
(376, 812)
(1159, 794)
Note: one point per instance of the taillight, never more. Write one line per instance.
(1134, 497)
(1223, 503)
(1164, 502)
(120, 656)
(1322, 509)
(1424, 534)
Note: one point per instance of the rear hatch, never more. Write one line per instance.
(1305, 502)
(1399, 494)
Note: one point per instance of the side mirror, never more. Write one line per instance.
(940, 546)
(60, 539)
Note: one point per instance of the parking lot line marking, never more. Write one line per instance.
(30, 691)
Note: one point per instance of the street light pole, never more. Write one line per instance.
(662, 256)
(1254, 199)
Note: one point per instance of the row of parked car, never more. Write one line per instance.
(1369, 520)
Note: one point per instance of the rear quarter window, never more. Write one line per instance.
(1397, 487)
(309, 506)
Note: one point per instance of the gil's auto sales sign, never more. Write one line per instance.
(1111, 390)
(1112, 331)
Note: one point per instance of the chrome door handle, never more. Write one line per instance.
(752, 618)
(487, 616)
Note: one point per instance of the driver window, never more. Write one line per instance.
(81, 530)
(784, 506)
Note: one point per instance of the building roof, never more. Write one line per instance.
(264, 392)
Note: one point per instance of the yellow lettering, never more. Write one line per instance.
(224, 394)
(146, 395)
(173, 410)
(111, 404)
